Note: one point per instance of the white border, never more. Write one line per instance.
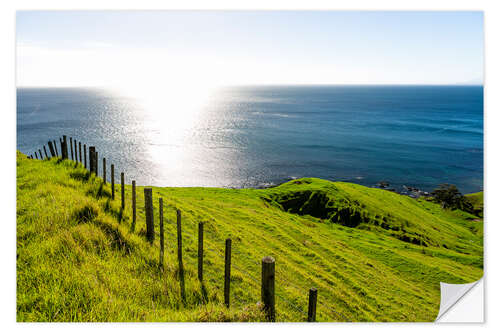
(8, 138)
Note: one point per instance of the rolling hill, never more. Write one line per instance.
(372, 254)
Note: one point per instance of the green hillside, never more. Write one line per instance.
(374, 255)
(477, 201)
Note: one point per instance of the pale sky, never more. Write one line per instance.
(210, 48)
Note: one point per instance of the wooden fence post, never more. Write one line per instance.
(45, 151)
(133, 206)
(40, 152)
(36, 155)
(123, 189)
(267, 290)
(64, 148)
(200, 251)
(76, 152)
(148, 207)
(92, 159)
(96, 163)
(51, 149)
(179, 255)
(161, 233)
(112, 182)
(104, 169)
(227, 272)
(55, 147)
(85, 156)
(80, 150)
(71, 146)
(313, 297)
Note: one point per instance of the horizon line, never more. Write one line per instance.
(275, 84)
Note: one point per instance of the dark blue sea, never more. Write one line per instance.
(418, 136)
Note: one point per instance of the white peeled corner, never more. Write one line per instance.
(455, 296)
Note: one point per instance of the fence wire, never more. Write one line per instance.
(234, 297)
(328, 311)
(293, 306)
(331, 311)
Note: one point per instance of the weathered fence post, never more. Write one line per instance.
(227, 272)
(45, 151)
(179, 255)
(92, 159)
(80, 150)
(51, 149)
(112, 182)
(64, 148)
(71, 147)
(96, 163)
(55, 147)
(267, 290)
(161, 232)
(104, 169)
(133, 206)
(200, 251)
(85, 155)
(148, 207)
(313, 297)
(76, 152)
(40, 152)
(122, 176)
(36, 155)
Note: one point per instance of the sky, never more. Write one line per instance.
(212, 48)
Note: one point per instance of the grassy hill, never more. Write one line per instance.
(477, 201)
(373, 255)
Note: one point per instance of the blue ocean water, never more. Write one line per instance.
(418, 136)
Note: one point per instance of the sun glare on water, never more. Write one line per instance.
(170, 113)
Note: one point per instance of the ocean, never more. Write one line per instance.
(255, 136)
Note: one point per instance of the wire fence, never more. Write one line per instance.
(297, 306)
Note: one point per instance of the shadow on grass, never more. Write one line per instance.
(81, 175)
(86, 214)
(117, 239)
(204, 293)
(103, 192)
(118, 214)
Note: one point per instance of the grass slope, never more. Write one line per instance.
(477, 201)
(373, 255)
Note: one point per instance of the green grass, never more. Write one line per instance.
(373, 255)
(477, 201)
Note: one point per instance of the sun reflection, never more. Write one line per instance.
(171, 113)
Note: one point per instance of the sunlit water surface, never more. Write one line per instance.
(257, 136)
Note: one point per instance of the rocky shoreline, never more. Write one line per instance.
(410, 191)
